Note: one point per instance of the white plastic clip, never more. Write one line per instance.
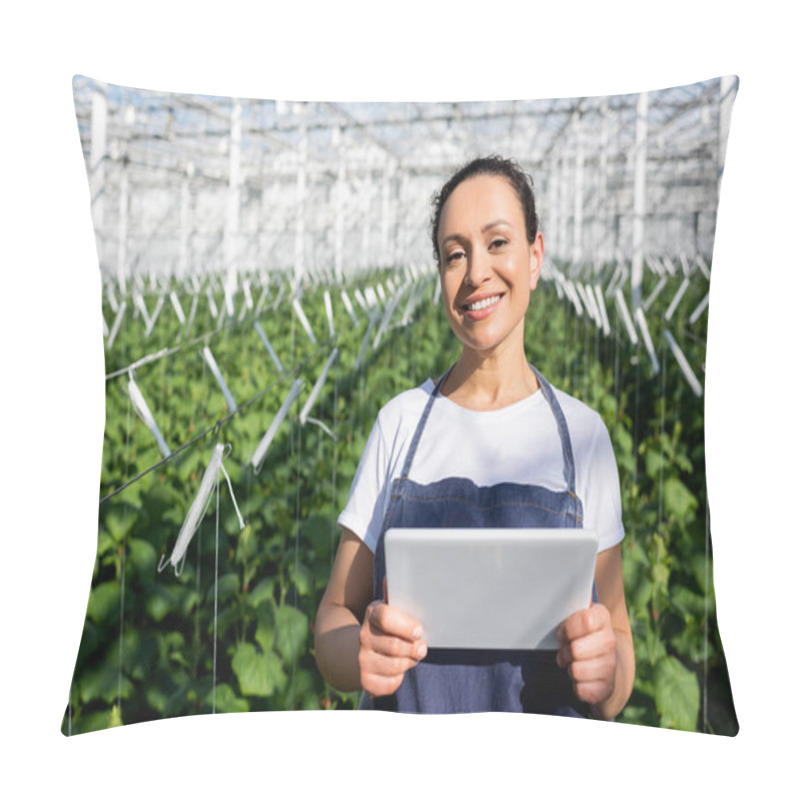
(115, 325)
(675, 300)
(212, 303)
(648, 342)
(312, 398)
(198, 509)
(683, 364)
(176, 304)
(272, 354)
(265, 442)
(329, 314)
(662, 282)
(622, 307)
(138, 301)
(212, 364)
(301, 315)
(143, 410)
(601, 305)
(349, 307)
(701, 307)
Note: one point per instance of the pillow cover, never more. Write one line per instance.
(268, 285)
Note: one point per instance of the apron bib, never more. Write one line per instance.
(456, 681)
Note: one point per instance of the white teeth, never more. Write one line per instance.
(489, 301)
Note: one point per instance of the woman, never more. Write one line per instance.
(491, 444)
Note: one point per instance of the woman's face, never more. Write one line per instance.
(487, 266)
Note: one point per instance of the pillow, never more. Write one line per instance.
(268, 285)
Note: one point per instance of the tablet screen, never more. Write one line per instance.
(490, 588)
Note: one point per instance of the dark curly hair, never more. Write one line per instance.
(520, 181)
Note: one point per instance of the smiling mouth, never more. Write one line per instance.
(479, 305)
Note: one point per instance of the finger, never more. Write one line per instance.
(584, 622)
(387, 619)
(564, 656)
(593, 692)
(600, 644)
(379, 685)
(393, 647)
(375, 663)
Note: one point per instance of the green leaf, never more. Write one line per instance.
(104, 602)
(227, 701)
(114, 717)
(119, 523)
(291, 631)
(678, 500)
(259, 674)
(142, 557)
(262, 593)
(265, 629)
(677, 695)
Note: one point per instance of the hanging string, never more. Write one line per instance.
(333, 462)
(124, 551)
(216, 596)
(705, 619)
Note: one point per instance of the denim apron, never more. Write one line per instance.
(453, 680)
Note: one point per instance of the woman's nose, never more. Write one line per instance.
(478, 267)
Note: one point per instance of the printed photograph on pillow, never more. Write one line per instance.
(269, 284)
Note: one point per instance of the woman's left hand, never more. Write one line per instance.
(589, 653)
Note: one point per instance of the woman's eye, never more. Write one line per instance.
(454, 255)
(498, 243)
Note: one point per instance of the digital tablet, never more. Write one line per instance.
(490, 588)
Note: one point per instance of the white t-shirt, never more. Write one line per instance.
(518, 444)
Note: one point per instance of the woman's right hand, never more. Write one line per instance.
(391, 643)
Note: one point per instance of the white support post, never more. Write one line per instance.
(561, 228)
(577, 199)
(233, 201)
(727, 94)
(97, 166)
(300, 223)
(639, 200)
(122, 223)
(388, 177)
(186, 222)
(602, 251)
(338, 247)
(366, 225)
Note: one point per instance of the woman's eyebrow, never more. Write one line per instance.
(494, 224)
(460, 237)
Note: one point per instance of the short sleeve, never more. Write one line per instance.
(366, 504)
(602, 501)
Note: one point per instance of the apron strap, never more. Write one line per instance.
(421, 425)
(563, 430)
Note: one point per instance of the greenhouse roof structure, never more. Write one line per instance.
(196, 183)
